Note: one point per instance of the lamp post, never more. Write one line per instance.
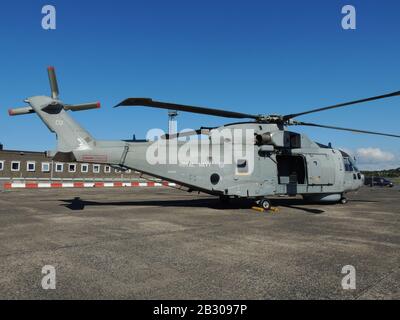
(172, 125)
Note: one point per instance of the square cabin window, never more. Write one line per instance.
(1, 165)
(59, 167)
(96, 168)
(107, 169)
(242, 167)
(84, 168)
(30, 166)
(15, 165)
(72, 167)
(45, 167)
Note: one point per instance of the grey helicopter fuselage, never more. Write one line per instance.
(288, 164)
(284, 162)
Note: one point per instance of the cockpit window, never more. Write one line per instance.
(348, 166)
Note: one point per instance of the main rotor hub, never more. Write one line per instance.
(272, 118)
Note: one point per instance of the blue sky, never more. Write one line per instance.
(251, 56)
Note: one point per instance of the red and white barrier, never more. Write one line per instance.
(28, 185)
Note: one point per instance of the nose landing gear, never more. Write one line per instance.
(343, 200)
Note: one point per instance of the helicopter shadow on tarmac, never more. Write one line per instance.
(77, 204)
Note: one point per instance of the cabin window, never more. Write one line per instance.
(295, 140)
(214, 178)
(15, 165)
(348, 166)
(242, 167)
(45, 167)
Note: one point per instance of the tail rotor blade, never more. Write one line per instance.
(53, 82)
(83, 106)
(20, 111)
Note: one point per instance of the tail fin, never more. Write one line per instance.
(70, 135)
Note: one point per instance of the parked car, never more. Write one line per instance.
(378, 181)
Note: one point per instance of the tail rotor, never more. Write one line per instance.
(55, 105)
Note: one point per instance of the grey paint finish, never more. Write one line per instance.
(324, 168)
(285, 162)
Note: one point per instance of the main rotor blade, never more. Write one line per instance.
(180, 107)
(389, 95)
(53, 82)
(298, 123)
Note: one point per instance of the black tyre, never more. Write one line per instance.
(343, 200)
(265, 204)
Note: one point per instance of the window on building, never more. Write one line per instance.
(128, 171)
(96, 168)
(84, 168)
(15, 165)
(107, 169)
(45, 167)
(72, 167)
(1, 165)
(59, 167)
(31, 166)
(117, 171)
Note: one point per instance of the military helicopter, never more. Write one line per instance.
(281, 162)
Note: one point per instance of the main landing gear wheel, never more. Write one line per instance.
(343, 200)
(265, 204)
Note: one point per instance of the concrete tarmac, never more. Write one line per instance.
(163, 243)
